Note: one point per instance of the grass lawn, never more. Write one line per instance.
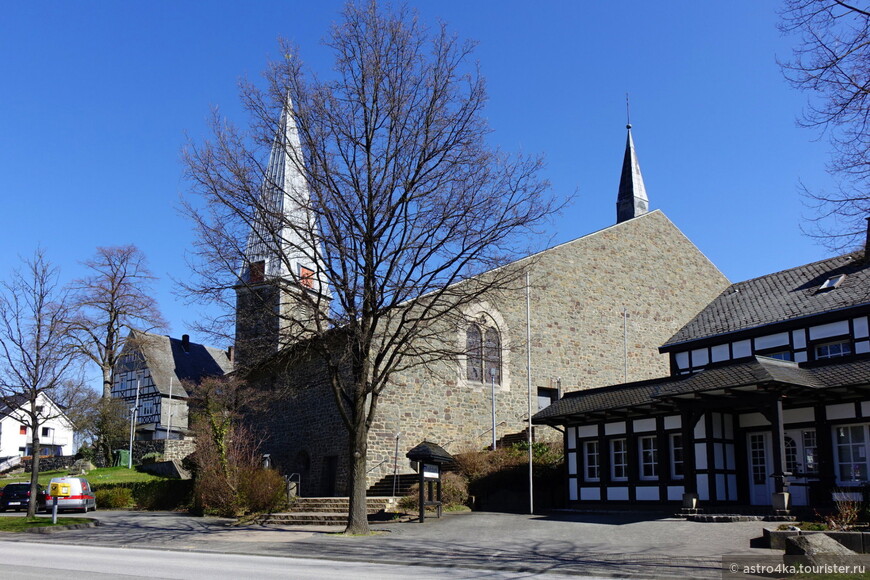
(19, 524)
(97, 476)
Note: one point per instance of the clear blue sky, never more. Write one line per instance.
(97, 98)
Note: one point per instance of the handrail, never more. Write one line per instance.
(376, 466)
(298, 482)
(10, 463)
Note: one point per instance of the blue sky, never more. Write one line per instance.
(98, 98)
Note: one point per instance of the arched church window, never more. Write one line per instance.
(492, 355)
(483, 353)
(474, 353)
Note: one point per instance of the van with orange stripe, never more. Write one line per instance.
(81, 496)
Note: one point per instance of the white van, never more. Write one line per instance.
(81, 495)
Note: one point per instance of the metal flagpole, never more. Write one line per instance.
(169, 425)
(133, 417)
(529, 377)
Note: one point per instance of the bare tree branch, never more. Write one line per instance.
(39, 366)
(413, 213)
(110, 302)
(832, 64)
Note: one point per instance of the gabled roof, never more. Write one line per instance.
(783, 296)
(18, 400)
(758, 371)
(167, 359)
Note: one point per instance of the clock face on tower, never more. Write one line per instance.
(306, 277)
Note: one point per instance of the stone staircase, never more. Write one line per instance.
(326, 511)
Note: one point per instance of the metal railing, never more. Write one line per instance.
(294, 480)
(8, 464)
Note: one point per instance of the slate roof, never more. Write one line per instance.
(606, 398)
(779, 297)
(166, 358)
(429, 452)
(759, 370)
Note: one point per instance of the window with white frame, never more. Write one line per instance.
(591, 461)
(851, 445)
(833, 349)
(676, 440)
(618, 460)
(649, 461)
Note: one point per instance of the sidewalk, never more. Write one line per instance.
(603, 545)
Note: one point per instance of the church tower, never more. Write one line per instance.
(631, 201)
(281, 284)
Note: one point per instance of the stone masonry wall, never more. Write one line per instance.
(580, 338)
(171, 449)
(644, 267)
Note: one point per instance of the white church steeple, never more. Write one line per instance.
(282, 283)
(283, 242)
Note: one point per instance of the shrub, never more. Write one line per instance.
(454, 493)
(114, 497)
(262, 490)
(153, 457)
(164, 494)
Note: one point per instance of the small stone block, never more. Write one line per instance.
(851, 540)
(776, 538)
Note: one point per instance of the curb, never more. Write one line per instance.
(47, 530)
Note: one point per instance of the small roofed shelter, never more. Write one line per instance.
(429, 457)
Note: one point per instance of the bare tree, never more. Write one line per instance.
(114, 299)
(408, 206)
(832, 63)
(39, 370)
(102, 422)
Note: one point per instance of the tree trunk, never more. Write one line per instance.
(107, 382)
(34, 472)
(357, 517)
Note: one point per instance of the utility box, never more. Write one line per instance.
(59, 489)
(122, 458)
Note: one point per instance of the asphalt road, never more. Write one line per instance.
(23, 560)
(500, 545)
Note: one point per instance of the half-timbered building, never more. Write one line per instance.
(767, 404)
(151, 376)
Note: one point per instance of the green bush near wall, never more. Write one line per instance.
(166, 494)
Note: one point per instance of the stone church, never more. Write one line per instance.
(599, 307)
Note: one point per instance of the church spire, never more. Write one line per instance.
(283, 239)
(282, 283)
(632, 200)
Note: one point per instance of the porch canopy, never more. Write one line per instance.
(743, 386)
(754, 385)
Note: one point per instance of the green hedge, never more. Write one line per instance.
(167, 494)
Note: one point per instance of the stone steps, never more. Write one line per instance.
(384, 487)
(325, 511)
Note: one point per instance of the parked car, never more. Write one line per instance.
(16, 496)
(81, 495)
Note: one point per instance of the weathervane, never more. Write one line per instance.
(627, 113)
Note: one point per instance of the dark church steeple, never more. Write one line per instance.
(632, 200)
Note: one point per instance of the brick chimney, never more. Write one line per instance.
(185, 342)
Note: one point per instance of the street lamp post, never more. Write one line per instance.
(492, 373)
(133, 416)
